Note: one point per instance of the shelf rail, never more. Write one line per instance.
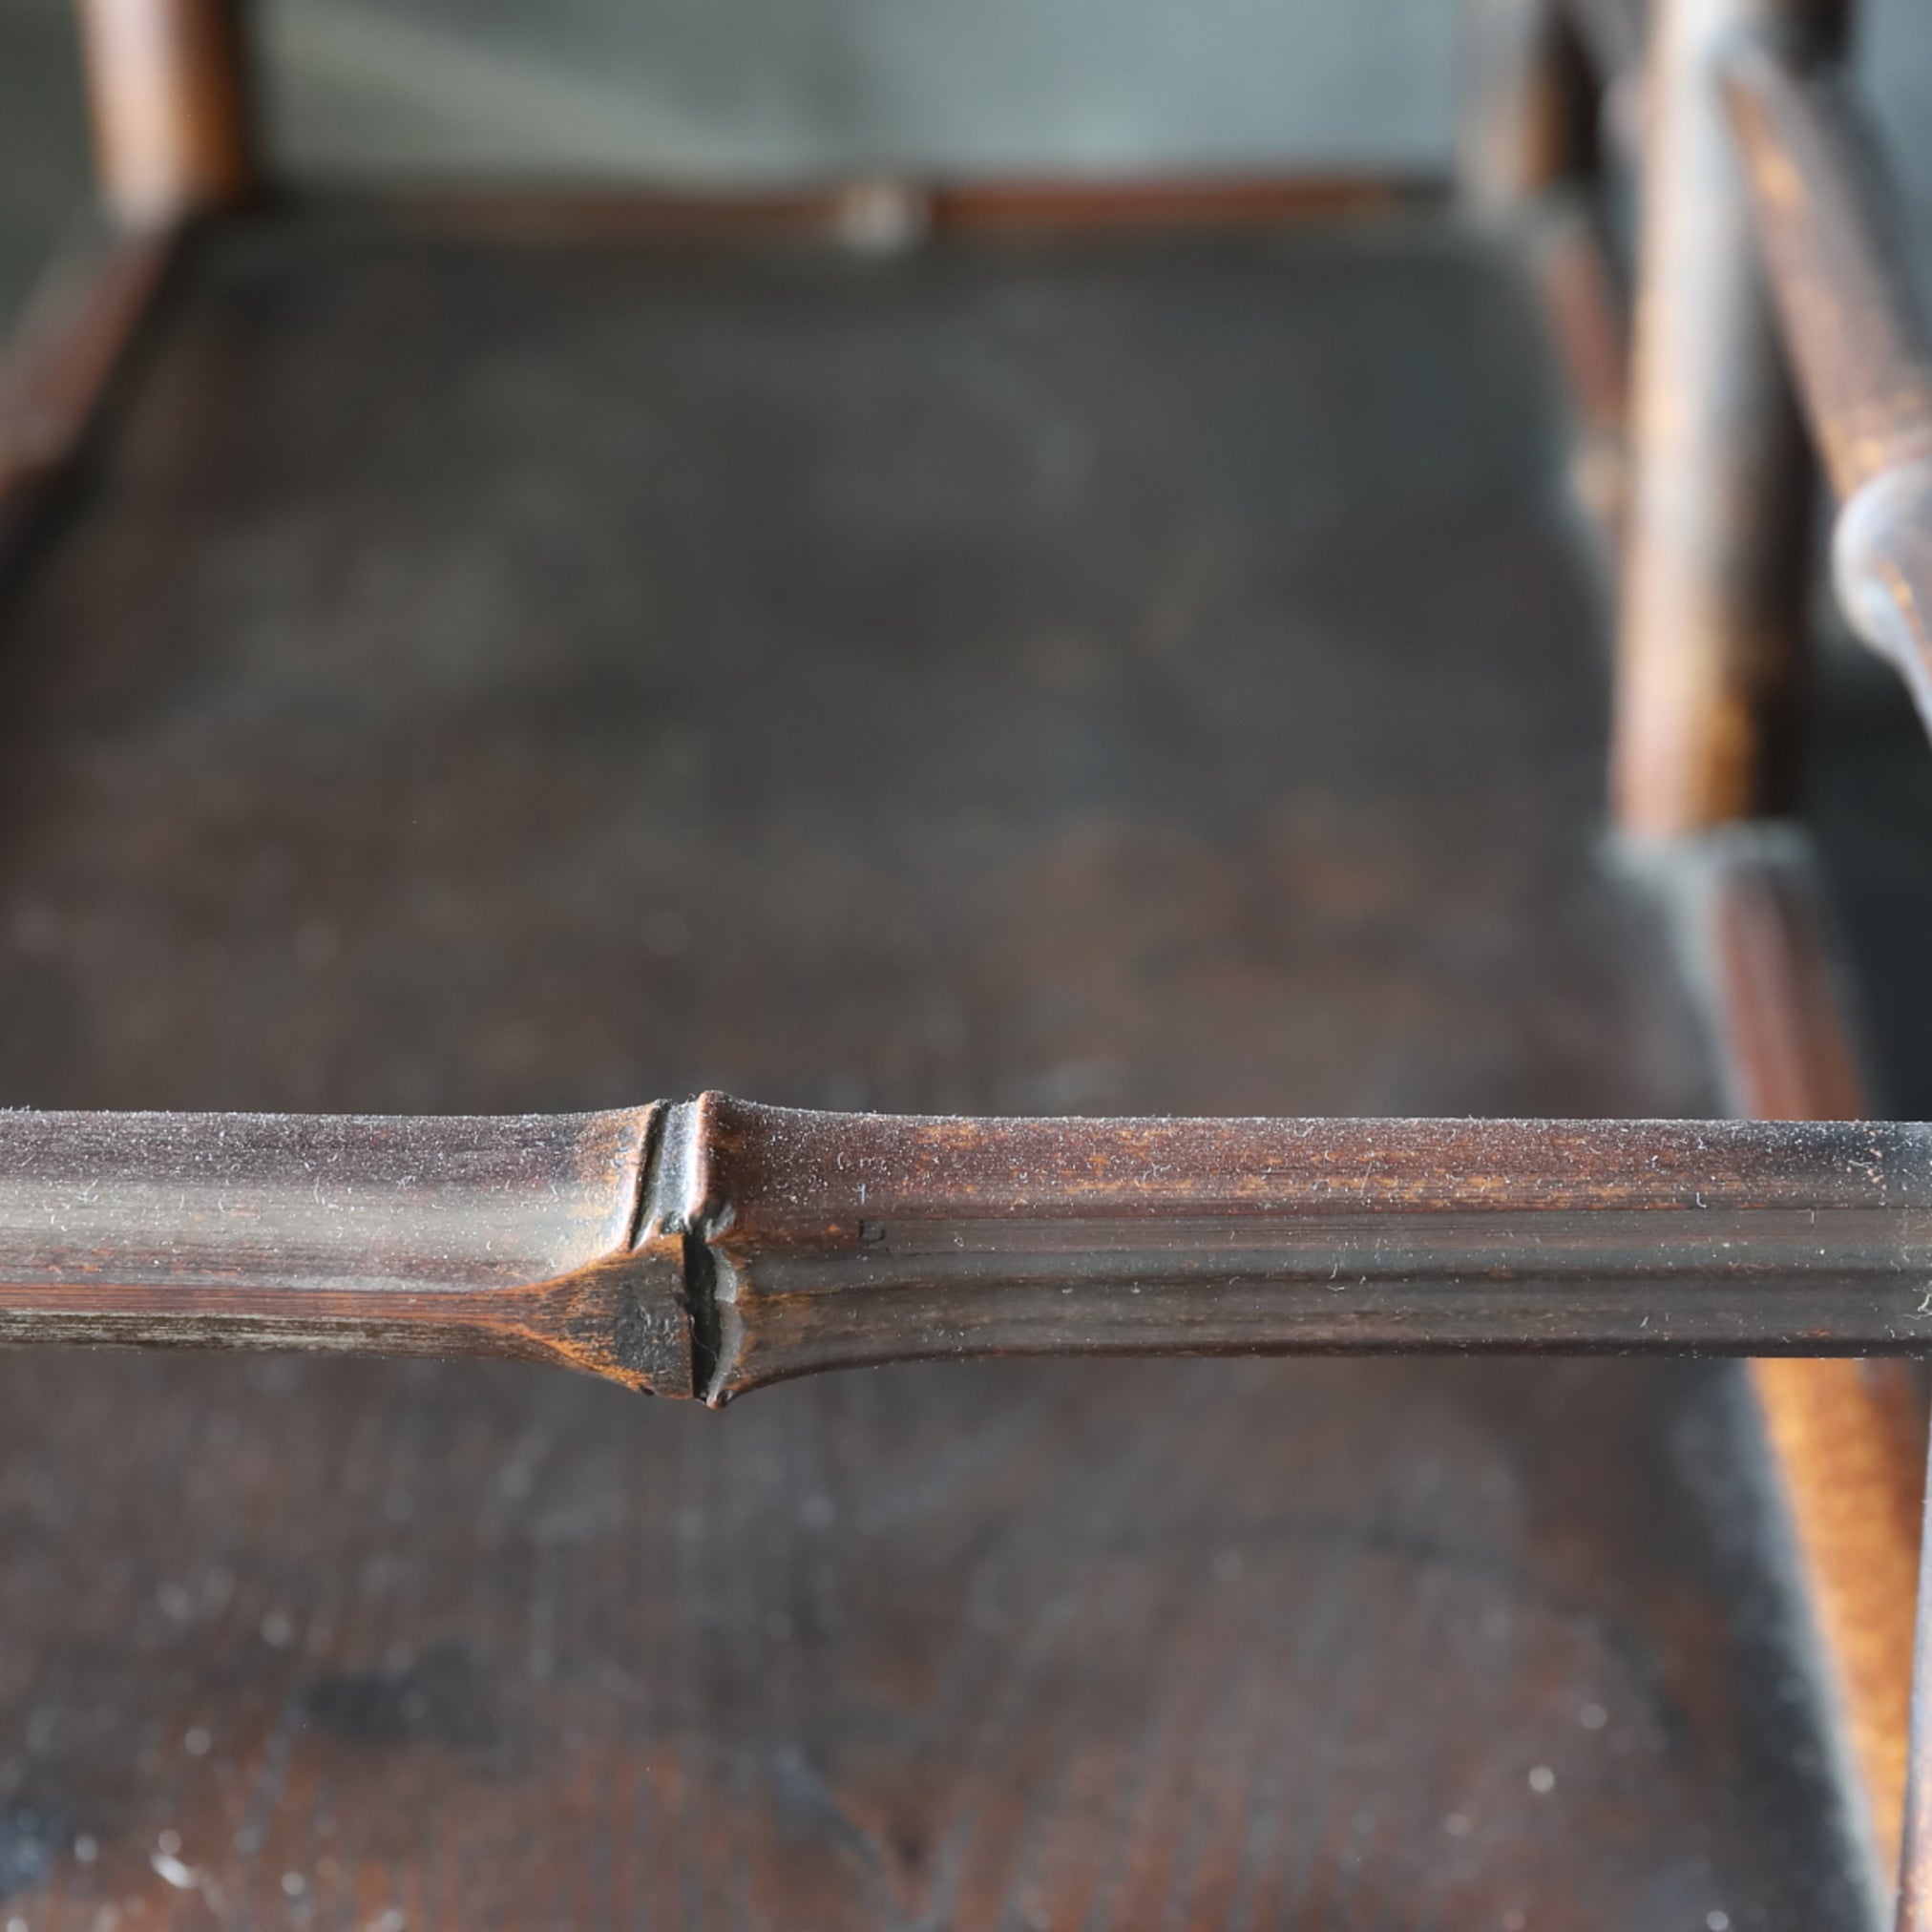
(1856, 334)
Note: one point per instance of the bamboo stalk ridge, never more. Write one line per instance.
(702, 1248)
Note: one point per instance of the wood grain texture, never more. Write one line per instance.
(486, 679)
(1137, 1645)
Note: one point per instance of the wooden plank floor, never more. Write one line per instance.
(1002, 676)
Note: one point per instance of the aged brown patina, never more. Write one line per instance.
(172, 123)
(1285, 830)
(705, 1248)
(1713, 605)
(1858, 341)
(884, 1758)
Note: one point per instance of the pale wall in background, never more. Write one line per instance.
(819, 86)
(735, 87)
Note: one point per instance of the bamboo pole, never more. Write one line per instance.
(1713, 597)
(708, 1246)
(167, 83)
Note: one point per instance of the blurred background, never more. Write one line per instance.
(695, 90)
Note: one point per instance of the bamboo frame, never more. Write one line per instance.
(706, 1248)
(167, 82)
(1864, 361)
(1710, 632)
(1859, 342)
(1713, 593)
(1848, 1437)
(1521, 105)
(1851, 1438)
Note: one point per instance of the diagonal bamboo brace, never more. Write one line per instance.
(702, 1248)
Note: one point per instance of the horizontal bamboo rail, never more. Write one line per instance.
(1857, 337)
(707, 1247)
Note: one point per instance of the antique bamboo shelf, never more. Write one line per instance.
(1092, 706)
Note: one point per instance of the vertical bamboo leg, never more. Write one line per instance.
(1915, 1868)
(1522, 122)
(1713, 609)
(1714, 578)
(167, 82)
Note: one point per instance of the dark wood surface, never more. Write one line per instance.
(1002, 678)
